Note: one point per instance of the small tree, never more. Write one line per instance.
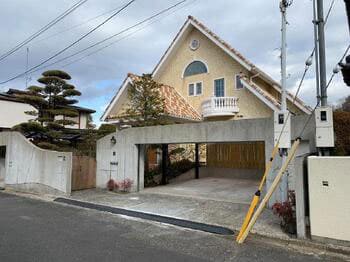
(146, 103)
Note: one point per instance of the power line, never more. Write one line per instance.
(43, 29)
(110, 37)
(72, 44)
(120, 39)
(328, 84)
(77, 25)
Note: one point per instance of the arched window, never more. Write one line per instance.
(195, 68)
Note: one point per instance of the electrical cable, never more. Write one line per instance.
(329, 82)
(43, 29)
(72, 44)
(110, 37)
(77, 25)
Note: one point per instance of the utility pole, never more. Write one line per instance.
(283, 187)
(322, 53)
(317, 71)
(324, 113)
(283, 6)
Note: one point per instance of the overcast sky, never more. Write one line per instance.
(252, 27)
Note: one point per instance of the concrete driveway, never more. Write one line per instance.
(217, 201)
(234, 190)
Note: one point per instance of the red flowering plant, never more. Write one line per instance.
(286, 211)
(125, 185)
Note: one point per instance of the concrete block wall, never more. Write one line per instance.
(26, 164)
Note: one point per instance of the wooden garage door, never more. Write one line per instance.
(237, 155)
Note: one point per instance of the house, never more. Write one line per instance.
(13, 112)
(202, 79)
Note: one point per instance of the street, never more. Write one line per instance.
(35, 230)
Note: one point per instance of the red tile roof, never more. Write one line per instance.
(175, 105)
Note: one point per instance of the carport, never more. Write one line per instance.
(128, 151)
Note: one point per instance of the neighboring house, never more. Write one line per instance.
(204, 78)
(13, 112)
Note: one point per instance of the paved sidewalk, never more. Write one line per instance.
(222, 213)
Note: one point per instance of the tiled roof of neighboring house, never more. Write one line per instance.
(175, 105)
(10, 95)
(6, 97)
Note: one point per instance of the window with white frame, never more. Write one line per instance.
(238, 82)
(195, 89)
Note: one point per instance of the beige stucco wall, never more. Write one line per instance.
(12, 113)
(329, 205)
(220, 65)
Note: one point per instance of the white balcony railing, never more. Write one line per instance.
(220, 106)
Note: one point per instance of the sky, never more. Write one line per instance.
(252, 27)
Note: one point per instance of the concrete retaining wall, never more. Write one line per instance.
(27, 166)
(329, 180)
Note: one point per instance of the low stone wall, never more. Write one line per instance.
(27, 166)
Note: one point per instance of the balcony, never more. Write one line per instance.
(220, 106)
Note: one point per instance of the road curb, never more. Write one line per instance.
(219, 230)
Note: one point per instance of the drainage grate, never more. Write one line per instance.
(163, 219)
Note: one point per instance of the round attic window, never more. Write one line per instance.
(194, 44)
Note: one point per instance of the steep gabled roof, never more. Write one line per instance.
(271, 101)
(175, 105)
(192, 22)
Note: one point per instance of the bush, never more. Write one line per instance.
(173, 170)
(125, 185)
(48, 146)
(177, 168)
(106, 129)
(286, 211)
(111, 185)
(342, 133)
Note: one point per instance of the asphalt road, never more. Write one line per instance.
(34, 230)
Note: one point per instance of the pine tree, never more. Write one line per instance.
(52, 103)
(53, 99)
(146, 104)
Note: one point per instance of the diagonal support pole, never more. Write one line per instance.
(271, 190)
